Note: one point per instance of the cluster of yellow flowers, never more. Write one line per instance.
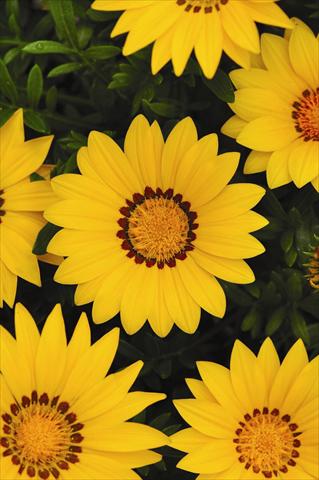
(161, 217)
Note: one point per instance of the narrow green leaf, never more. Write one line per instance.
(5, 114)
(221, 86)
(35, 121)
(11, 55)
(275, 320)
(64, 69)
(35, 86)
(291, 257)
(163, 109)
(51, 98)
(250, 319)
(64, 19)
(286, 240)
(103, 52)
(299, 326)
(43, 47)
(7, 85)
(294, 287)
(44, 237)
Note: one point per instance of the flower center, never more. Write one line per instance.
(195, 6)
(2, 212)
(313, 269)
(157, 227)
(41, 436)
(306, 115)
(267, 442)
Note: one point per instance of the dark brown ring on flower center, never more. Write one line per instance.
(2, 212)
(306, 115)
(17, 439)
(253, 439)
(129, 213)
(196, 6)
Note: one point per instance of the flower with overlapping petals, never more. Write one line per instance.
(21, 205)
(61, 417)
(208, 26)
(254, 421)
(277, 110)
(147, 230)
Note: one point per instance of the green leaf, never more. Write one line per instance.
(299, 326)
(11, 55)
(35, 86)
(64, 69)
(294, 287)
(44, 237)
(35, 121)
(163, 109)
(64, 19)
(7, 86)
(310, 304)
(103, 52)
(5, 114)
(286, 240)
(250, 319)
(275, 320)
(51, 98)
(221, 86)
(43, 47)
(35, 177)
(291, 257)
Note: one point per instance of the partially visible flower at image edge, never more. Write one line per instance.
(207, 26)
(254, 421)
(61, 417)
(148, 230)
(312, 267)
(21, 205)
(277, 109)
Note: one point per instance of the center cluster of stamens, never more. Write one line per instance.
(196, 6)
(2, 212)
(157, 227)
(313, 268)
(306, 115)
(266, 442)
(41, 436)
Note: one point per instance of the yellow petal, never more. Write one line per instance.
(199, 390)
(269, 14)
(214, 457)
(240, 27)
(209, 44)
(8, 285)
(135, 308)
(269, 363)
(251, 103)
(218, 241)
(277, 167)
(207, 417)
(295, 360)
(267, 134)
(162, 50)
(51, 353)
(86, 292)
(33, 196)
(235, 52)
(233, 126)
(111, 289)
(159, 316)
(231, 270)
(217, 379)
(67, 241)
(27, 336)
(303, 163)
(179, 141)
(139, 149)
(187, 30)
(17, 255)
(246, 222)
(204, 288)
(304, 54)
(161, 15)
(126, 21)
(256, 162)
(85, 166)
(315, 183)
(11, 135)
(23, 160)
(92, 366)
(188, 440)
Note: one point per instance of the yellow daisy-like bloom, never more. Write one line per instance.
(61, 418)
(277, 110)
(21, 205)
(207, 26)
(146, 231)
(256, 420)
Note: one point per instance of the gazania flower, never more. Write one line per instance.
(277, 110)
(313, 267)
(61, 418)
(207, 26)
(257, 420)
(147, 231)
(21, 205)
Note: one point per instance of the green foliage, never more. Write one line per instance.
(57, 61)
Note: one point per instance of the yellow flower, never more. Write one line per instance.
(277, 110)
(257, 420)
(147, 231)
(313, 268)
(21, 205)
(61, 418)
(207, 26)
